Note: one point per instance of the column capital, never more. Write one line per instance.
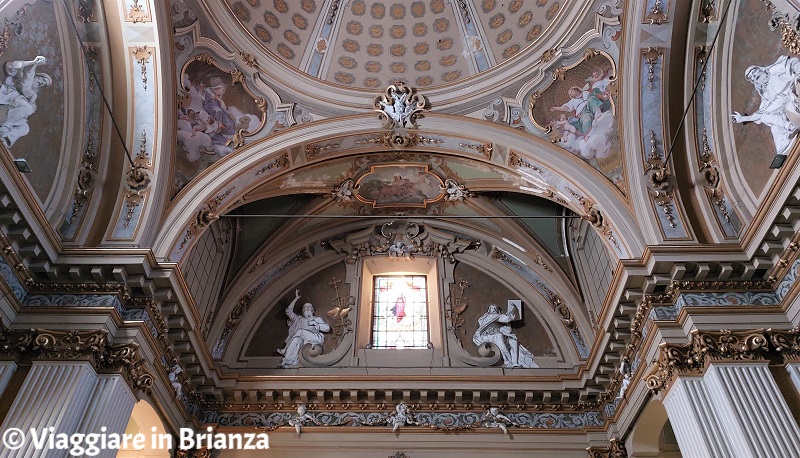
(93, 346)
(703, 348)
(615, 449)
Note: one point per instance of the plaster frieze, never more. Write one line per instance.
(402, 417)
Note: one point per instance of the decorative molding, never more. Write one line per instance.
(651, 57)
(205, 216)
(138, 13)
(92, 346)
(788, 25)
(615, 449)
(281, 162)
(705, 347)
(401, 240)
(142, 55)
(400, 106)
(455, 304)
(657, 14)
(411, 416)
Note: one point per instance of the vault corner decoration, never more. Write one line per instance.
(216, 113)
(577, 110)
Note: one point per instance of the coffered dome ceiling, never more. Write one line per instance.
(372, 44)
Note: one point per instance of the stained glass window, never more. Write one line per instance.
(400, 312)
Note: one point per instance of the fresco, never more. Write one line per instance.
(578, 111)
(756, 46)
(399, 186)
(215, 113)
(32, 90)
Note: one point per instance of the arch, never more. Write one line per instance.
(577, 183)
(145, 420)
(645, 439)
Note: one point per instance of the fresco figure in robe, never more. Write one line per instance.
(19, 92)
(777, 84)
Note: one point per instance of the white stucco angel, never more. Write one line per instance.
(301, 419)
(303, 329)
(174, 380)
(400, 418)
(400, 110)
(493, 418)
(778, 85)
(19, 92)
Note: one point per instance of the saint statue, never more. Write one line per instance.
(494, 328)
(303, 329)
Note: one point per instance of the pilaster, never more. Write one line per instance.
(722, 399)
(748, 392)
(7, 369)
(54, 394)
(110, 406)
(696, 422)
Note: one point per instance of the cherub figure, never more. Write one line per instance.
(173, 379)
(400, 418)
(301, 418)
(493, 418)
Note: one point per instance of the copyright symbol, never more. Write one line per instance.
(13, 438)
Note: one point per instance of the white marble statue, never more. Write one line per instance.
(303, 329)
(301, 418)
(494, 328)
(777, 85)
(19, 92)
(400, 418)
(493, 418)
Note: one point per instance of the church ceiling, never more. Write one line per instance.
(371, 44)
(565, 110)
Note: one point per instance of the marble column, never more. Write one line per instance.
(110, 406)
(735, 409)
(54, 394)
(7, 369)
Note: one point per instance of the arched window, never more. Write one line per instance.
(400, 312)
